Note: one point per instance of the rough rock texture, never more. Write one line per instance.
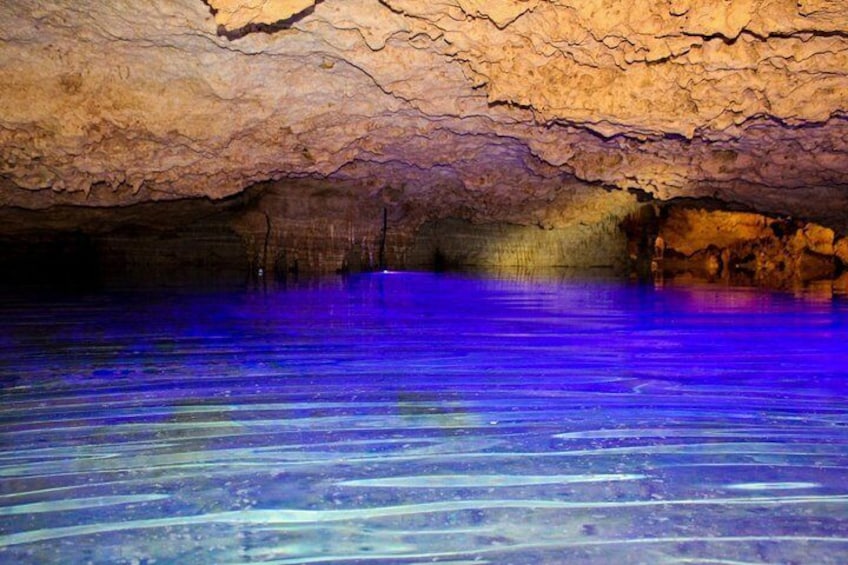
(237, 14)
(745, 248)
(506, 112)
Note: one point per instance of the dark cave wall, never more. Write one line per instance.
(284, 229)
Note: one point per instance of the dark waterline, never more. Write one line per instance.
(407, 418)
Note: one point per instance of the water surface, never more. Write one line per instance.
(411, 418)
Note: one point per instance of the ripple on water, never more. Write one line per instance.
(408, 419)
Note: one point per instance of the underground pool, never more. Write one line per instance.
(412, 418)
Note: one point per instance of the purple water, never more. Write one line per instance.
(412, 418)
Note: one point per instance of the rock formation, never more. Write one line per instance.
(299, 121)
(743, 248)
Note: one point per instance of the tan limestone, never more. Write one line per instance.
(480, 110)
(236, 14)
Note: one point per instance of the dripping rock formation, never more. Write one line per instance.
(278, 135)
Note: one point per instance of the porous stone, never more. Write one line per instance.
(841, 250)
(744, 247)
(483, 111)
(236, 14)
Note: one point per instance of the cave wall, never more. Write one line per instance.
(281, 230)
(181, 241)
(745, 248)
(489, 131)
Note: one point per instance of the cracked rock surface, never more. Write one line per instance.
(484, 111)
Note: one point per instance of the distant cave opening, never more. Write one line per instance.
(124, 256)
(43, 257)
(71, 247)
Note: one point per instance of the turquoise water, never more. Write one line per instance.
(412, 418)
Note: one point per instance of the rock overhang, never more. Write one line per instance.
(488, 111)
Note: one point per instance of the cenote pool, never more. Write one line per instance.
(418, 418)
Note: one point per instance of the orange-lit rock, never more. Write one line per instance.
(841, 250)
(816, 239)
(745, 247)
(688, 230)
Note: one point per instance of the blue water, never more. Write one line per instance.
(412, 418)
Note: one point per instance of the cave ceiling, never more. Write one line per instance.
(113, 103)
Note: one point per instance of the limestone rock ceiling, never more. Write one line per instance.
(461, 103)
(236, 14)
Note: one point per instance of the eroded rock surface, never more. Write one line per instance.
(237, 15)
(506, 111)
(744, 248)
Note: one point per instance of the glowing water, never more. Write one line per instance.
(401, 418)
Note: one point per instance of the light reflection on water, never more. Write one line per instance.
(411, 418)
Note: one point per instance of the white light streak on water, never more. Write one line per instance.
(420, 418)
